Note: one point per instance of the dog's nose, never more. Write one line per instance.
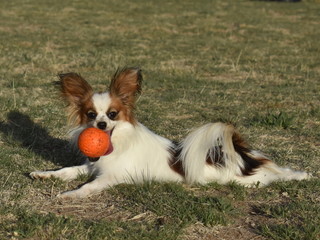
(102, 125)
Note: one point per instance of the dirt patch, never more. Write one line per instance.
(102, 206)
(230, 232)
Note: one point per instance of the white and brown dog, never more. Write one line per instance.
(214, 152)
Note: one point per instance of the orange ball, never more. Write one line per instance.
(93, 142)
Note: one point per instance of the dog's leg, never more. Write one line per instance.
(270, 173)
(96, 186)
(66, 174)
(225, 156)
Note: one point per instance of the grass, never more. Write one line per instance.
(295, 219)
(281, 120)
(186, 208)
(252, 63)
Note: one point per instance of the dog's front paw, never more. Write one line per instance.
(40, 174)
(66, 195)
(72, 194)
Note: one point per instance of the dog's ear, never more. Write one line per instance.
(74, 88)
(126, 85)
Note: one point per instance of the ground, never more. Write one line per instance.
(252, 63)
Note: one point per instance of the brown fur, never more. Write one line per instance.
(85, 108)
(124, 87)
(215, 157)
(77, 93)
(124, 113)
(175, 162)
(251, 162)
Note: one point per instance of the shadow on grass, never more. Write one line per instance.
(20, 130)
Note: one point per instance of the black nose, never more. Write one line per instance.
(102, 125)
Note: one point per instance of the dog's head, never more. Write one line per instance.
(102, 110)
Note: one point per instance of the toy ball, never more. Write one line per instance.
(93, 142)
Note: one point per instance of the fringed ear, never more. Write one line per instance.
(126, 85)
(74, 88)
(77, 92)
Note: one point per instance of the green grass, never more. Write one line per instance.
(296, 216)
(252, 63)
(172, 201)
(281, 120)
(50, 226)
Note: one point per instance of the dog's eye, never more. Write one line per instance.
(112, 115)
(91, 115)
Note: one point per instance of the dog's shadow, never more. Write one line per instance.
(21, 130)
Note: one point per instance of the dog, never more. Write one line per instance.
(214, 152)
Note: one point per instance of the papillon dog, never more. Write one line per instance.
(214, 152)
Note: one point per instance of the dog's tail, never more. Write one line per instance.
(217, 152)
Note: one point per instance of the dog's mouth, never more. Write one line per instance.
(110, 149)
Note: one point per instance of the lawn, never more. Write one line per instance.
(252, 63)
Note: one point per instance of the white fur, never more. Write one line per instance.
(141, 155)
(198, 143)
(101, 103)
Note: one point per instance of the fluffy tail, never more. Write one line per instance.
(216, 152)
(210, 144)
